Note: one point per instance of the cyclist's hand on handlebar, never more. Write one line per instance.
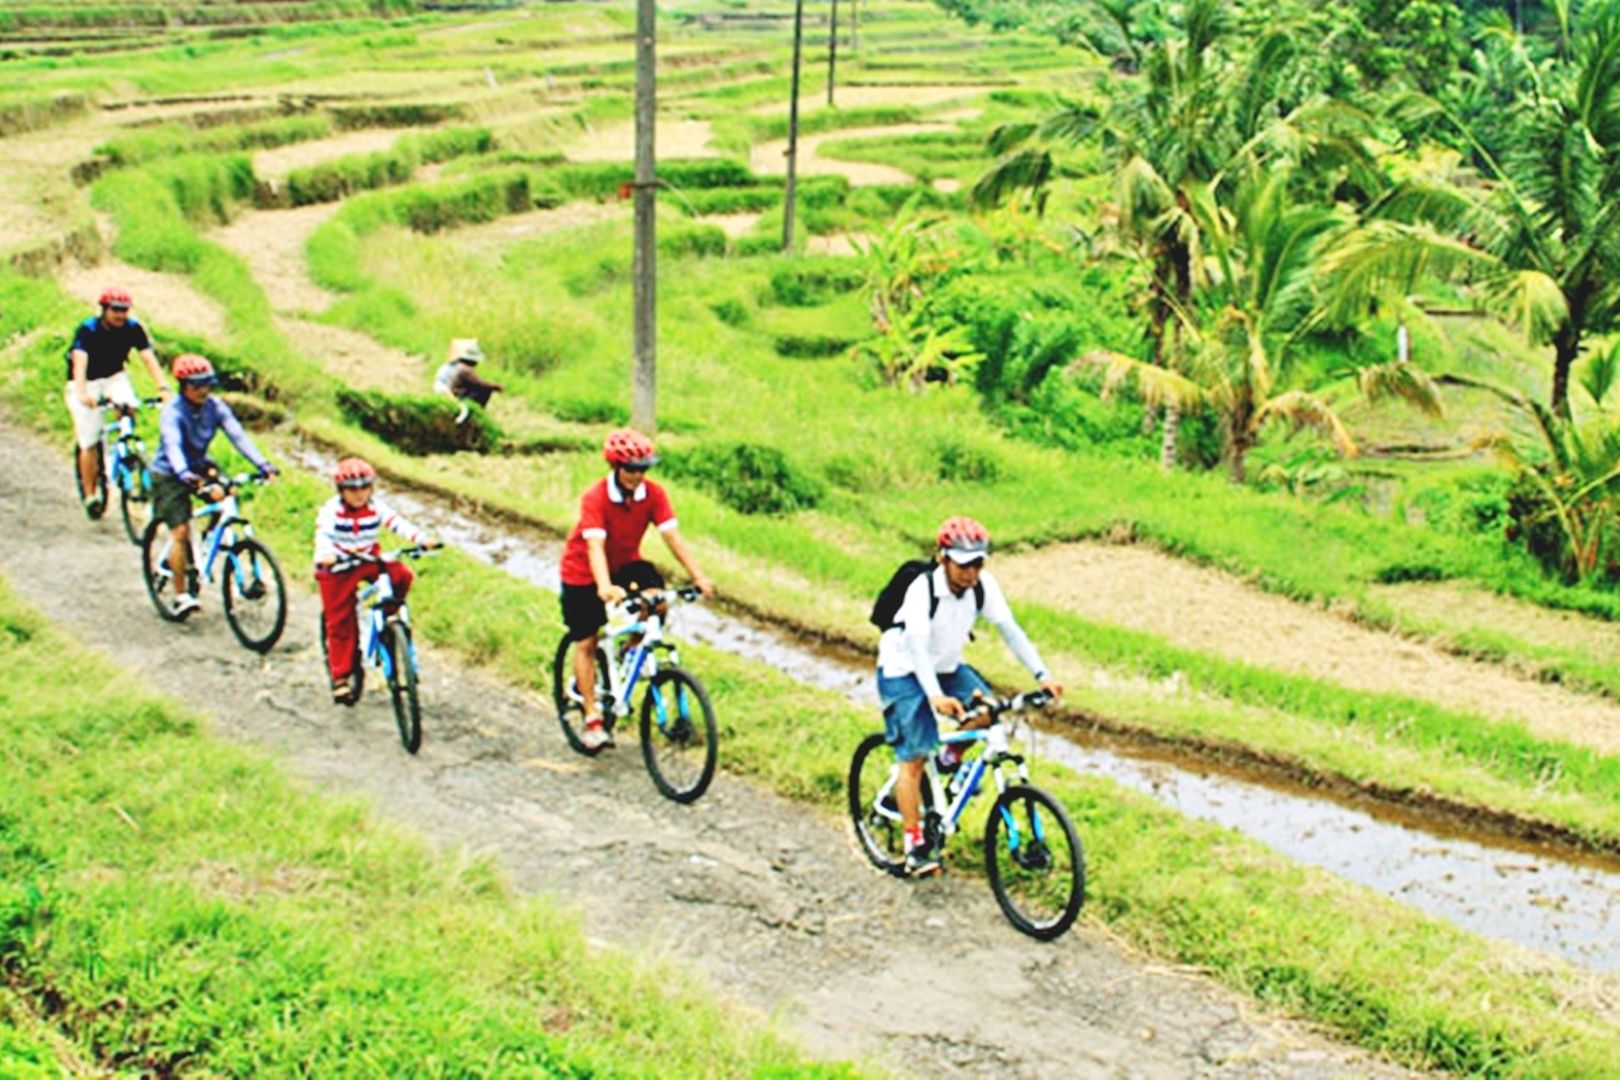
(704, 585)
(268, 474)
(88, 400)
(610, 594)
(1053, 687)
(432, 544)
(945, 705)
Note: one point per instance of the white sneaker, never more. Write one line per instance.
(595, 736)
(183, 605)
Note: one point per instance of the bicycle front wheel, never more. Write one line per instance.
(135, 499)
(1033, 858)
(255, 598)
(402, 685)
(679, 741)
(565, 695)
(155, 571)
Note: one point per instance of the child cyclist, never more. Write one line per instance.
(351, 523)
(602, 558)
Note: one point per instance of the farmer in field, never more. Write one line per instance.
(95, 371)
(602, 558)
(926, 613)
(459, 376)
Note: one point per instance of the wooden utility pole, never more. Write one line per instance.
(644, 377)
(832, 55)
(788, 195)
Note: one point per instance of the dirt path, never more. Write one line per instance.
(617, 142)
(163, 301)
(770, 158)
(1197, 608)
(272, 244)
(765, 896)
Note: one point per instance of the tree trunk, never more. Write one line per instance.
(644, 379)
(1567, 346)
(832, 55)
(789, 195)
(1168, 440)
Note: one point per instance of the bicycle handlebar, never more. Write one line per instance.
(993, 707)
(354, 559)
(102, 401)
(632, 605)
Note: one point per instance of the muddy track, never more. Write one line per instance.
(765, 896)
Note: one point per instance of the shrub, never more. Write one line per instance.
(810, 346)
(418, 424)
(590, 411)
(732, 311)
(747, 477)
(965, 463)
(332, 180)
(807, 284)
(687, 241)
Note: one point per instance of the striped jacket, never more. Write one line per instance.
(341, 531)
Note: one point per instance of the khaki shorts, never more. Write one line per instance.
(87, 422)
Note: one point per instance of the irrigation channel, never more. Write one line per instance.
(1508, 892)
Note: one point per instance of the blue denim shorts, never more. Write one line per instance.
(908, 719)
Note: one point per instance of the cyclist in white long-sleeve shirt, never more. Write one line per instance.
(921, 674)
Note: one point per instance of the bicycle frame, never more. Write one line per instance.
(965, 782)
(641, 661)
(219, 538)
(369, 603)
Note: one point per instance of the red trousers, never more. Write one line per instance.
(337, 604)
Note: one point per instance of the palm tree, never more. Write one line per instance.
(1540, 236)
(1194, 120)
(1261, 297)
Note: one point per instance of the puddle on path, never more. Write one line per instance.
(1509, 894)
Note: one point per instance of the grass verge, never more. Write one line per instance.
(170, 903)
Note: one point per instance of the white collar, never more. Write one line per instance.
(616, 494)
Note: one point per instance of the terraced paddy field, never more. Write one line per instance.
(322, 204)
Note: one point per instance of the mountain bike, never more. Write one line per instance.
(678, 734)
(385, 643)
(128, 472)
(254, 594)
(1032, 853)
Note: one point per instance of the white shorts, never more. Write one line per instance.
(87, 422)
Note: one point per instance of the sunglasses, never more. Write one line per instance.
(356, 485)
(635, 468)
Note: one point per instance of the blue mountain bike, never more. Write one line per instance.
(385, 643)
(251, 586)
(678, 732)
(1032, 853)
(127, 472)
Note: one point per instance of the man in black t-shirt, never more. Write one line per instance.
(95, 372)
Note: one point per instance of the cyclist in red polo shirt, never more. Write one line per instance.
(602, 557)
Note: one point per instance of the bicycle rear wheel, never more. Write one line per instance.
(255, 597)
(872, 807)
(679, 741)
(402, 685)
(135, 498)
(1033, 858)
(565, 695)
(155, 571)
(95, 509)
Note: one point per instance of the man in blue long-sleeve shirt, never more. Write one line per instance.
(186, 427)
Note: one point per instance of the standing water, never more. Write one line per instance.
(1498, 892)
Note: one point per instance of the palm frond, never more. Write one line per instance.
(1404, 382)
(1156, 386)
(1304, 410)
(1006, 137)
(1028, 169)
(1530, 300)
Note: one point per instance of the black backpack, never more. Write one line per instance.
(886, 609)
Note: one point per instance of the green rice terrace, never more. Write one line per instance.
(1276, 344)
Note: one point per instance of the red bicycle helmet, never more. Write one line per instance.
(629, 447)
(189, 368)
(964, 540)
(112, 296)
(353, 472)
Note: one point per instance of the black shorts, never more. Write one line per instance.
(171, 500)
(583, 611)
